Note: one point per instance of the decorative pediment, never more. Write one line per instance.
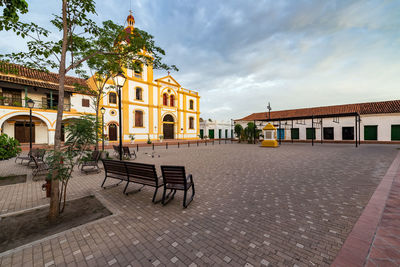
(169, 80)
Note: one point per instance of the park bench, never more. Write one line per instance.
(116, 150)
(40, 167)
(27, 157)
(91, 163)
(132, 172)
(36, 153)
(127, 153)
(175, 179)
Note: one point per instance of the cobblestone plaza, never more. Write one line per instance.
(294, 205)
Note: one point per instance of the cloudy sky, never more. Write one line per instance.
(240, 55)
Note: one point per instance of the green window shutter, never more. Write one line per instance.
(310, 134)
(395, 132)
(44, 102)
(211, 133)
(295, 133)
(370, 132)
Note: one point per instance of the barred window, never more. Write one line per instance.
(138, 118)
(112, 98)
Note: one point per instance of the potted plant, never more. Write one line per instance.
(148, 139)
(161, 137)
(3, 101)
(106, 142)
(2, 98)
(17, 104)
(132, 138)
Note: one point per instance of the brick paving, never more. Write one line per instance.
(385, 248)
(290, 206)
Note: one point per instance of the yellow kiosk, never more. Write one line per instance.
(269, 136)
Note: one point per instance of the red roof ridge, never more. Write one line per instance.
(388, 106)
(21, 73)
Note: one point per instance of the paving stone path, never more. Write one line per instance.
(290, 206)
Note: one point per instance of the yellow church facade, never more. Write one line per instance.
(151, 109)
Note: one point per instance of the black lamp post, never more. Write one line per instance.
(102, 110)
(31, 104)
(269, 111)
(119, 81)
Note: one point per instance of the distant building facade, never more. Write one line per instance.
(216, 129)
(376, 122)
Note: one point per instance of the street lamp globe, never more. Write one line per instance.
(102, 110)
(120, 79)
(30, 103)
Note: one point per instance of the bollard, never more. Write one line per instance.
(206, 142)
(219, 141)
(137, 147)
(153, 146)
(213, 141)
(166, 145)
(225, 140)
(188, 144)
(178, 144)
(197, 143)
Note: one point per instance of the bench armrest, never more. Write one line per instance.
(189, 177)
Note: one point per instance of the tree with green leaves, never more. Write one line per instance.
(80, 42)
(238, 130)
(134, 50)
(81, 135)
(11, 11)
(250, 133)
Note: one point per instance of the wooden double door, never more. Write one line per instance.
(112, 132)
(168, 130)
(21, 132)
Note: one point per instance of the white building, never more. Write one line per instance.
(18, 84)
(216, 129)
(376, 122)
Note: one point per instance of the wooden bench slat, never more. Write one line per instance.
(132, 172)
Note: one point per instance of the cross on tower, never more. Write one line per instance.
(168, 73)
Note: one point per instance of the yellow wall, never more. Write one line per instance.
(155, 87)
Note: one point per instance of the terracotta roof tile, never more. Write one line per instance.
(392, 106)
(22, 75)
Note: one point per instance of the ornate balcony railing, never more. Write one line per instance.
(13, 102)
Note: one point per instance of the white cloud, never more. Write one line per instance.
(241, 54)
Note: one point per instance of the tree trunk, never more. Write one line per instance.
(97, 126)
(55, 190)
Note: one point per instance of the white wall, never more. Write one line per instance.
(76, 103)
(383, 121)
(216, 126)
(132, 92)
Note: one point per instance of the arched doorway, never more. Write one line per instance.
(112, 132)
(168, 127)
(19, 127)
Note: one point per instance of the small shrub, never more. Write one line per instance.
(9, 147)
